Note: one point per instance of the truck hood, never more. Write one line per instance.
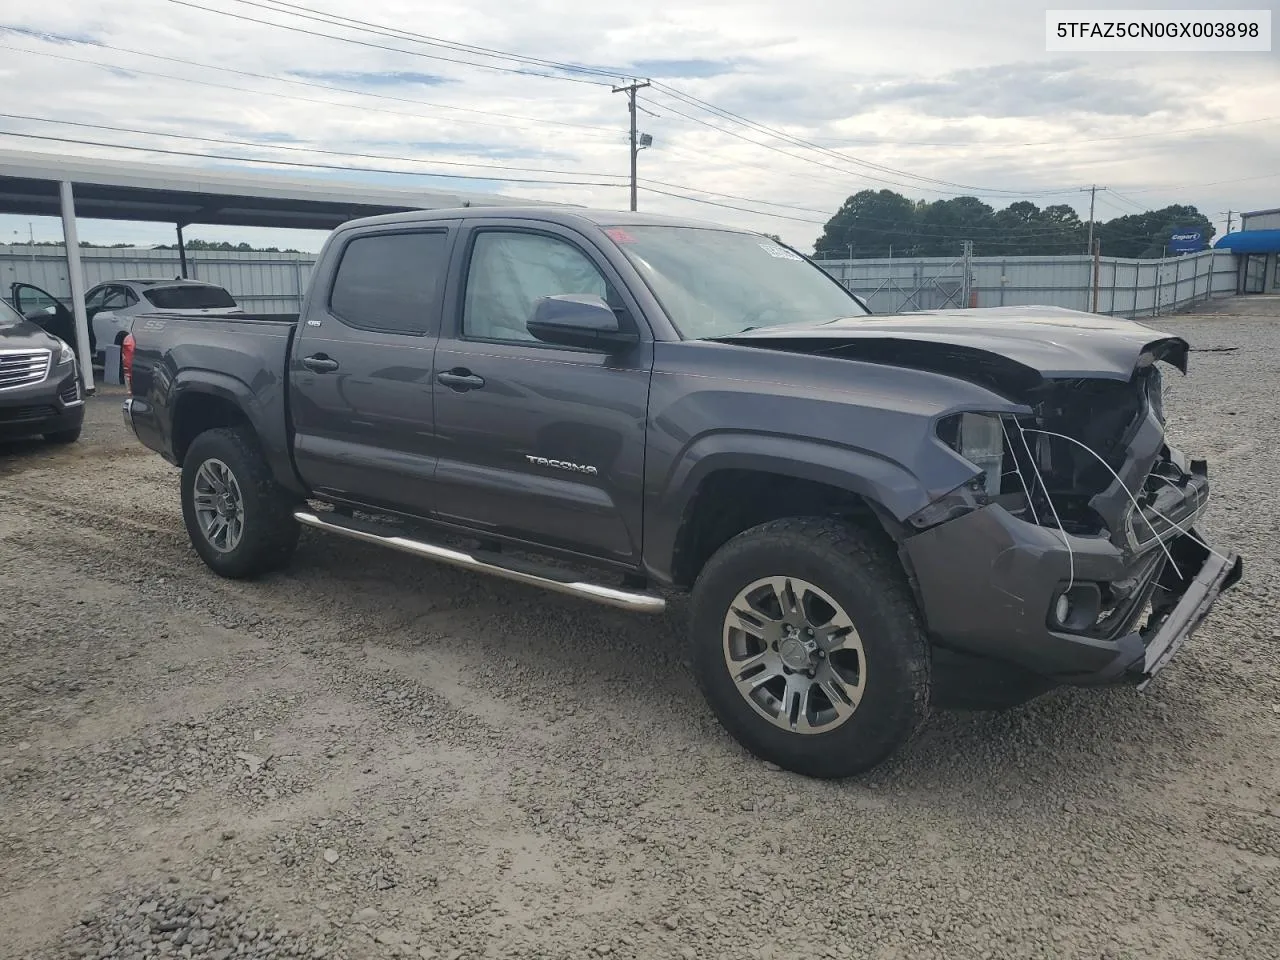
(1013, 349)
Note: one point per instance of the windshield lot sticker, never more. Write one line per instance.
(781, 253)
(618, 235)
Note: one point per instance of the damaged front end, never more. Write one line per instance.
(1073, 551)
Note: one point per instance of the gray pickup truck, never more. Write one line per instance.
(872, 514)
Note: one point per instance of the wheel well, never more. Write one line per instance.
(198, 412)
(728, 502)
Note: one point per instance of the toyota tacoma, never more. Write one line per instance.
(871, 514)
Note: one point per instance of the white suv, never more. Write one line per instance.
(112, 306)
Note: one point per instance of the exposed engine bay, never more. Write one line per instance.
(1063, 465)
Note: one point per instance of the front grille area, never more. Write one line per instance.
(20, 414)
(19, 368)
(70, 392)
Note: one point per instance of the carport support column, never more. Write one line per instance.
(182, 254)
(75, 273)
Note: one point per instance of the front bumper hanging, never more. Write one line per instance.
(1216, 573)
(987, 581)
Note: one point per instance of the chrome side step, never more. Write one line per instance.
(636, 602)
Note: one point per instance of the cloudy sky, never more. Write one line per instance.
(931, 98)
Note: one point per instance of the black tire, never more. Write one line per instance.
(858, 571)
(65, 436)
(270, 532)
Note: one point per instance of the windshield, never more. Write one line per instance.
(716, 283)
(189, 298)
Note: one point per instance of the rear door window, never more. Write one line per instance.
(391, 282)
(189, 298)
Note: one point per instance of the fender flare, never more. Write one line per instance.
(194, 382)
(886, 485)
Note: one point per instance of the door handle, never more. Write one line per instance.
(320, 363)
(460, 379)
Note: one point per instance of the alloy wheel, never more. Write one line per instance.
(794, 655)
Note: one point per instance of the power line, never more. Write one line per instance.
(299, 10)
(381, 46)
(381, 30)
(301, 149)
(309, 166)
(58, 38)
(798, 141)
(400, 32)
(730, 206)
(222, 86)
(993, 235)
(317, 150)
(734, 196)
(1134, 205)
(821, 163)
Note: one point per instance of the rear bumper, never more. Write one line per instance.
(988, 583)
(139, 417)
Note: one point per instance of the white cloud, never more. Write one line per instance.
(935, 89)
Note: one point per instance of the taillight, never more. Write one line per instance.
(126, 361)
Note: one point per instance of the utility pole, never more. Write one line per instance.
(1229, 217)
(630, 90)
(1097, 264)
(1093, 193)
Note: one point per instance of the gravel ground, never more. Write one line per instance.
(372, 756)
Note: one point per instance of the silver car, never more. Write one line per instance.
(112, 306)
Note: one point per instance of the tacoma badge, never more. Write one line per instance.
(562, 465)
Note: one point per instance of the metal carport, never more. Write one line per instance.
(49, 185)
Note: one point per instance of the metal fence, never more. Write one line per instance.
(261, 282)
(1130, 288)
(274, 282)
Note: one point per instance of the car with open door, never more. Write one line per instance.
(45, 310)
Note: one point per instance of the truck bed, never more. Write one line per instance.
(245, 356)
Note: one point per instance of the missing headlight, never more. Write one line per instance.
(979, 438)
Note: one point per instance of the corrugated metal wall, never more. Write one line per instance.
(274, 282)
(261, 282)
(1130, 288)
(1261, 221)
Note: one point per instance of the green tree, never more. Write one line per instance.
(944, 224)
(869, 224)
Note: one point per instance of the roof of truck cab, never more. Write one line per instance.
(566, 216)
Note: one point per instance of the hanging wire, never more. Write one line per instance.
(1132, 499)
(1071, 557)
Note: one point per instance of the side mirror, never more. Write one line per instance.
(579, 320)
